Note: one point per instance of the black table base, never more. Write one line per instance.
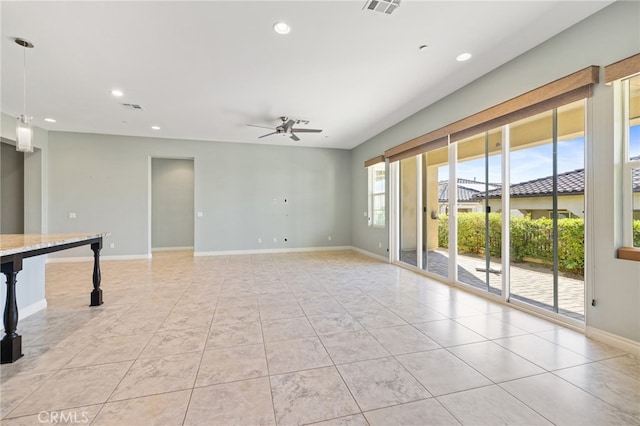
(11, 343)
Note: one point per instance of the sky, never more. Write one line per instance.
(533, 163)
(634, 141)
(525, 164)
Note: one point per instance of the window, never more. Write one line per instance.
(625, 77)
(377, 182)
(562, 214)
(631, 167)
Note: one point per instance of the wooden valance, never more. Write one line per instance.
(622, 69)
(430, 145)
(560, 92)
(375, 160)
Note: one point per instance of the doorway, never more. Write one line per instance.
(12, 190)
(172, 204)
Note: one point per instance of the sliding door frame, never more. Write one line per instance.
(506, 296)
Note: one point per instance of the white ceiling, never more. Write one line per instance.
(204, 70)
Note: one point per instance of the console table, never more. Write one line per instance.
(14, 248)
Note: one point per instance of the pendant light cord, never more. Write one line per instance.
(24, 81)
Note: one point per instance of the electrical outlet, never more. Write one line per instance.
(259, 240)
(379, 245)
(72, 215)
(200, 214)
(365, 214)
(275, 240)
(112, 245)
(329, 237)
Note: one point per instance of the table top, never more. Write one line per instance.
(19, 243)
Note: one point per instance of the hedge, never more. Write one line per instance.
(529, 238)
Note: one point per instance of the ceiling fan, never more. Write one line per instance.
(286, 128)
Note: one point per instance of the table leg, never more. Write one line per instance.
(11, 343)
(96, 294)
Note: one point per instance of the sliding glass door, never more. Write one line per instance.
(435, 212)
(408, 200)
(547, 210)
(479, 208)
(521, 185)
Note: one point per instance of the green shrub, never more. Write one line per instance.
(636, 233)
(471, 233)
(571, 245)
(529, 238)
(443, 230)
(495, 234)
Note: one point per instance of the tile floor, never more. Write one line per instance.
(329, 338)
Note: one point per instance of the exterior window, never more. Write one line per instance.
(562, 214)
(631, 186)
(377, 195)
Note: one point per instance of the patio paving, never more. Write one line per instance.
(533, 285)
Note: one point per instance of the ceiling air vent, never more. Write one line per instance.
(382, 6)
(132, 106)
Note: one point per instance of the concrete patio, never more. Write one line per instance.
(530, 284)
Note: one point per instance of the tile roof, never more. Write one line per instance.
(468, 190)
(569, 183)
(464, 194)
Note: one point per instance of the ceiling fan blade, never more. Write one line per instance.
(306, 130)
(268, 134)
(262, 127)
(287, 125)
(294, 137)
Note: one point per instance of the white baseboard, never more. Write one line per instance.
(90, 258)
(619, 342)
(217, 253)
(373, 255)
(269, 251)
(32, 308)
(154, 249)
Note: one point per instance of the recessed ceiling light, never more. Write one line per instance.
(117, 93)
(281, 28)
(155, 127)
(463, 57)
(50, 120)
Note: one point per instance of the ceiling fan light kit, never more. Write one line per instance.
(286, 128)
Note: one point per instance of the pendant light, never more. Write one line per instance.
(24, 131)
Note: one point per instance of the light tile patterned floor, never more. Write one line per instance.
(329, 338)
(529, 283)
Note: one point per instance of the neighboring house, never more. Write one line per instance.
(469, 195)
(534, 198)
